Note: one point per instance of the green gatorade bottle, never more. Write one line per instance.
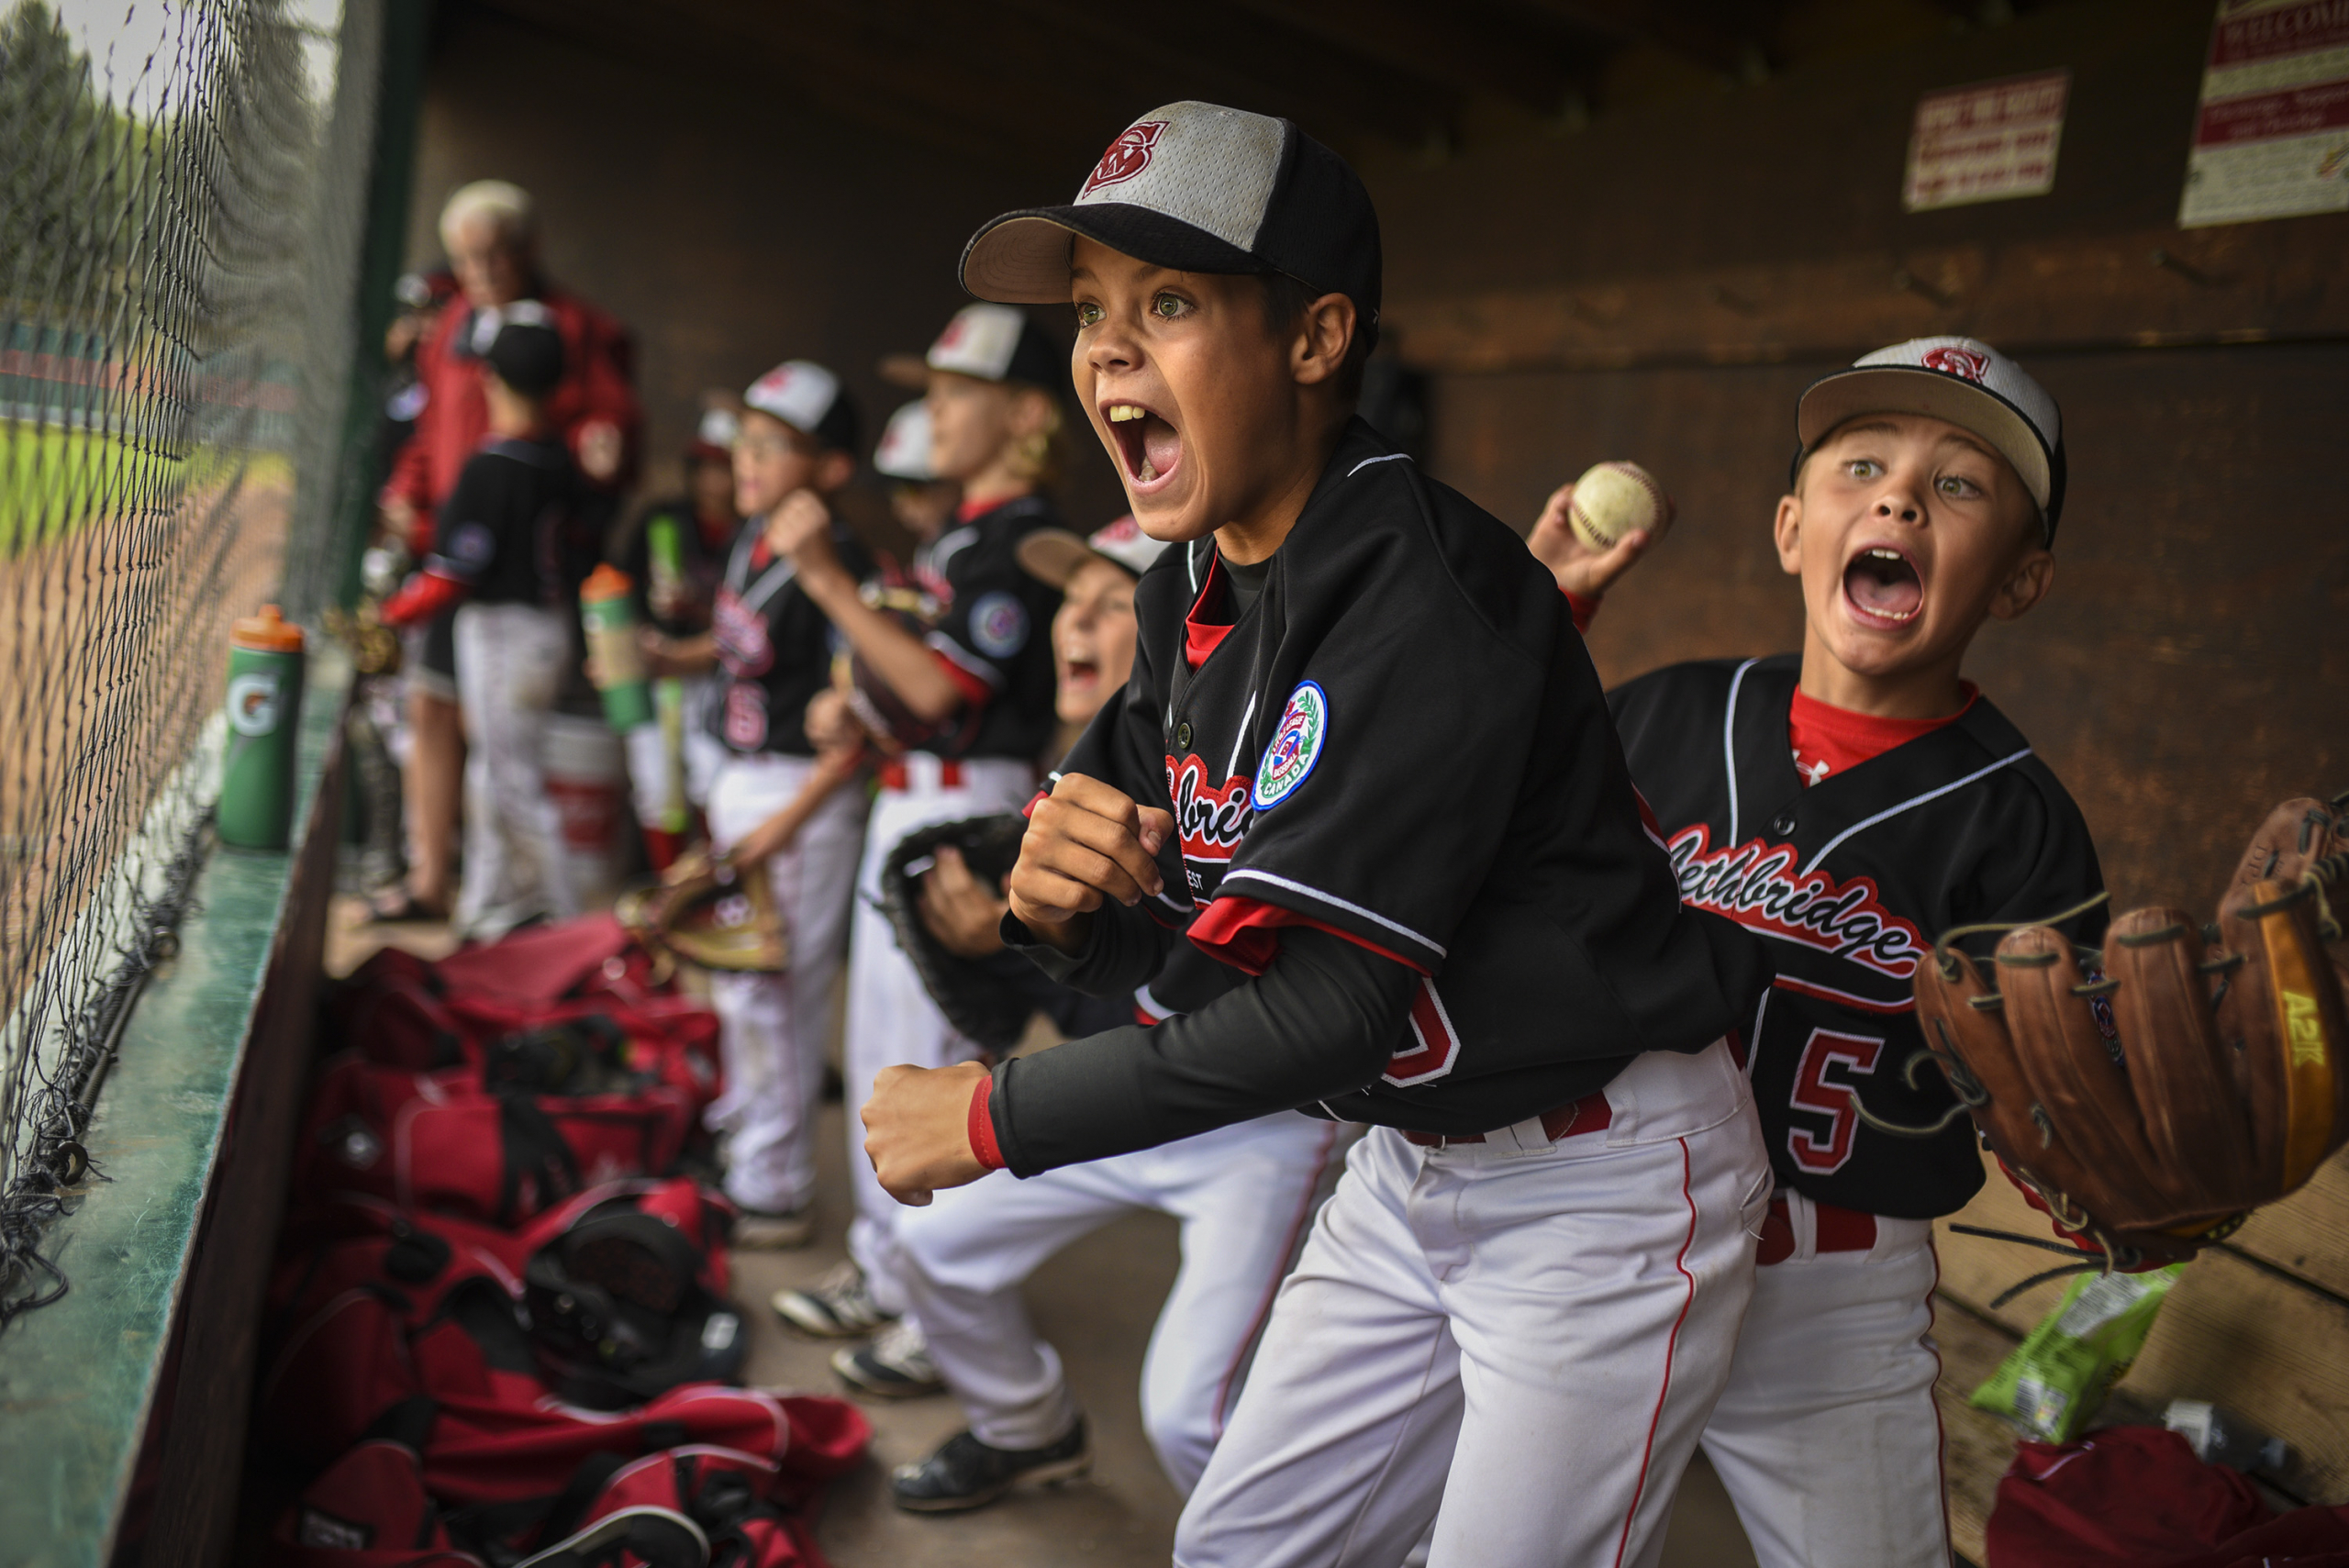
(264, 718)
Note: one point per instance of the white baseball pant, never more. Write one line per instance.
(1827, 1436)
(773, 1029)
(510, 662)
(890, 1018)
(1516, 1339)
(1244, 1194)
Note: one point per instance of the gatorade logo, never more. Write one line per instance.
(252, 704)
(2305, 1029)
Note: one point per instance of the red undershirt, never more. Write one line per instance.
(1827, 739)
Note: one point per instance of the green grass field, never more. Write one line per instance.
(54, 481)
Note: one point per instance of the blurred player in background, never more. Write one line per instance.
(777, 807)
(488, 233)
(675, 555)
(514, 542)
(972, 705)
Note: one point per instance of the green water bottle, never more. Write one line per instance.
(264, 719)
(619, 670)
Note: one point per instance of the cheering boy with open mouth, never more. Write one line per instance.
(1363, 759)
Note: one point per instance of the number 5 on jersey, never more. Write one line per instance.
(1823, 1086)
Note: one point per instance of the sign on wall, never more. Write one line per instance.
(2272, 137)
(1990, 142)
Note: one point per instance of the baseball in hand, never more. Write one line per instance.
(1613, 498)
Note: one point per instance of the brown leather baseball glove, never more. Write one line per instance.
(2154, 1094)
(702, 913)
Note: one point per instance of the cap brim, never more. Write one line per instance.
(908, 370)
(1935, 394)
(1022, 258)
(1052, 555)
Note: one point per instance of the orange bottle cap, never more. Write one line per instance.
(607, 582)
(268, 632)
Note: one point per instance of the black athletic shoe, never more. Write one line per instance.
(966, 1473)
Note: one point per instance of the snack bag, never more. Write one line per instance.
(2058, 1376)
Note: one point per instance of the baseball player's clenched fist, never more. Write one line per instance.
(917, 1129)
(1086, 841)
(801, 527)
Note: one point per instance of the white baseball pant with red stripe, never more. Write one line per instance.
(1244, 1194)
(890, 1018)
(1516, 1339)
(1827, 1435)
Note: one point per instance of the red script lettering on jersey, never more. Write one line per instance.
(1209, 821)
(1757, 885)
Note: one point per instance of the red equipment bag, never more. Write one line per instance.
(437, 1142)
(730, 1496)
(369, 1510)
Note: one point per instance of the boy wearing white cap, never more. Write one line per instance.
(1849, 805)
(777, 807)
(967, 708)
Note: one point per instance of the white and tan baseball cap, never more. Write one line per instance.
(1052, 555)
(1962, 380)
(1199, 188)
(808, 398)
(989, 342)
(904, 451)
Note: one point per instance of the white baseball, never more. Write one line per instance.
(1612, 499)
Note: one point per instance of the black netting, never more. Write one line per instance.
(179, 219)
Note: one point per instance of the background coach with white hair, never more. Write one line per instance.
(487, 230)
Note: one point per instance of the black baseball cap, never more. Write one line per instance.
(526, 353)
(1202, 189)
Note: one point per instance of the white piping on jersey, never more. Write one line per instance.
(1754, 1042)
(1232, 766)
(1366, 463)
(1728, 743)
(1829, 992)
(1159, 1011)
(1828, 848)
(1191, 562)
(1335, 902)
(948, 546)
(953, 650)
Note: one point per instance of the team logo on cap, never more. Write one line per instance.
(1956, 361)
(1296, 746)
(1128, 156)
(999, 625)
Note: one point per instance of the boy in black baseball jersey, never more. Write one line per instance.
(1364, 760)
(778, 807)
(1849, 805)
(514, 543)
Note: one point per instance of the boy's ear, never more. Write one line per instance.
(2025, 585)
(1032, 409)
(1788, 529)
(1323, 334)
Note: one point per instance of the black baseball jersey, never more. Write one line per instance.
(1852, 880)
(513, 528)
(1402, 741)
(775, 646)
(994, 625)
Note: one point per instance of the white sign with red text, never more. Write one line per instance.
(2271, 138)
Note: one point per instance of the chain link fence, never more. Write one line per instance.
(183, 194)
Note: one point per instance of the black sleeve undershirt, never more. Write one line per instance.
(1322, 1021)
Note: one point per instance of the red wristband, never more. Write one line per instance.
(981, 1127)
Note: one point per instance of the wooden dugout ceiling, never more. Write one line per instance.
(1052, 79)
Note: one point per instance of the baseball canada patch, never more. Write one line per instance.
(1128, 156)
(1957, 361)
(1757, 885)
(999, 625)
(1296, 746)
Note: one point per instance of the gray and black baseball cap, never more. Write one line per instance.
(1199, 188)
(1962, 380)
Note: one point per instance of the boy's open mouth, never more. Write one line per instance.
(1149, 447)
(1882, 587)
